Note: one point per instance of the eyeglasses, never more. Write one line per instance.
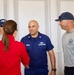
(1, 26)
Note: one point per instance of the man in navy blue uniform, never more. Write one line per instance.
(38, 45)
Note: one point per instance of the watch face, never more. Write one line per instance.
(54, 70)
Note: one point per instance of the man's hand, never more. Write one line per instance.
(27, 66)
(52, 73)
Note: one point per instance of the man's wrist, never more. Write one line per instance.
(54, 70)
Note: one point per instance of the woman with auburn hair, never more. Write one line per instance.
(11, 51)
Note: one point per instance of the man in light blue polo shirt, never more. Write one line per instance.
(1, 28)
(38, 45)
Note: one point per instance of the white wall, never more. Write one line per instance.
(1, 9)
(45, 12)
(28, 10)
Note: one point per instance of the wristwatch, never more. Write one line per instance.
(54, 70)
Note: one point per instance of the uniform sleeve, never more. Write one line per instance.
(49, 44)
(24, 55)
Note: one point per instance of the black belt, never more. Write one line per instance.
(68, 67)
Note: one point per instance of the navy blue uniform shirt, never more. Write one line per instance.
(37, 49)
